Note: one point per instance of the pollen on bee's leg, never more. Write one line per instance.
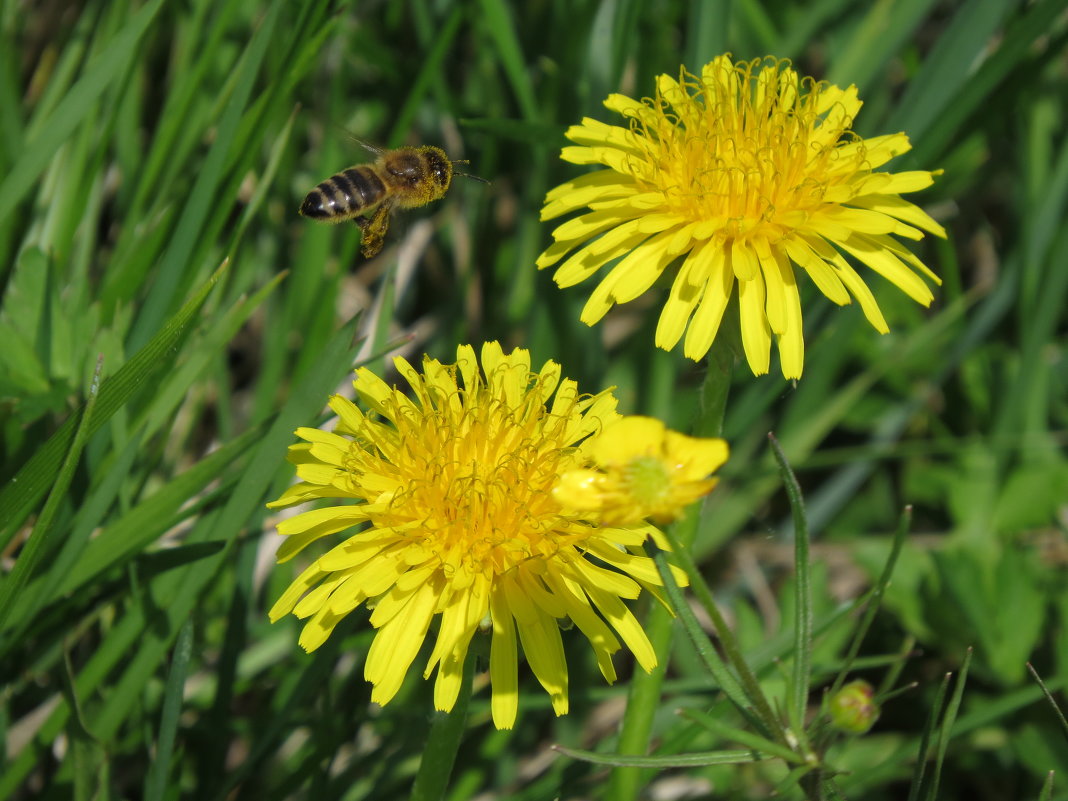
(374, 231)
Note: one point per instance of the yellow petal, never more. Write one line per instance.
(791, 339)
(581, 191)
(504, 703)
(717, 292)
(311, 576)
(888, 266)
(621, 619)
(756, 335)
(853, 282)
(578, 608)
(775, 304)
(635, 273)
(396, 644)
(818, 270)
(902, 210)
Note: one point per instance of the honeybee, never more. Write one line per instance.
(398, 179)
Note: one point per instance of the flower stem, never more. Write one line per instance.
(716, 387)
(802, 672)
(643, 698)
(732, 651)
(443, 742)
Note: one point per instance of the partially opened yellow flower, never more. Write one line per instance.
(451, 514)
(744, 174)
(640, 469)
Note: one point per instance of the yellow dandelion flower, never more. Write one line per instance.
(640, 469)
(744, 174)
(451, 491)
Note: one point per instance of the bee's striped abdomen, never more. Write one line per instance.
(345, 195)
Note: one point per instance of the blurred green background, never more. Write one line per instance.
(143, 145)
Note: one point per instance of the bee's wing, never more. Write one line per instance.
(374, 149)
(377, 151)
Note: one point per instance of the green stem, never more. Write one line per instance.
(643, 698)
(715, 389)
(443, 742)
(812, 782)
(802, 673)
(732, 651)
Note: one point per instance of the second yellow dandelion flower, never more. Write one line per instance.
(745, 173)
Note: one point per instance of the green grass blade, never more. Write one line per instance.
(430, 72)
(875, 597)
(156, 783)
(754, 16)
(191, 64)
(130, 534)
(20, 495)
(1012, 50)
(12, 123)
(75, 106)
(176, 594)
(292, 701)
(666, 762)
(949, 66)
(142, 525)
(879, 36)
(920, 772)
(498, 18)
(36, 546)
(1005, 706)
(244, 503)
(200, 353)
(756, 710)
(176, 263)
(741, 736)
(946, 729)
(278, 149)
(87, 756)
(42, 590)
(814, 18)
(706, 33)
(890, 679)
(1047, 788)
(1050, 699)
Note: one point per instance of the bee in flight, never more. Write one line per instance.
(404, 178)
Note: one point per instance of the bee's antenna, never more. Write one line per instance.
(467, 174)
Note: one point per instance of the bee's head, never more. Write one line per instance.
(439, 170)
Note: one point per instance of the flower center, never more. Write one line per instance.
(474, 481)
(752, 154)
(647, 480)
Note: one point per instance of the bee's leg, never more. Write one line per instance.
(374, 230)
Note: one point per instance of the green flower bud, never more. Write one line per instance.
(853, 708)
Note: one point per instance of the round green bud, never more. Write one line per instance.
(853, 708)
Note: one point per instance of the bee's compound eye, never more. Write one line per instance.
(441, 174)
